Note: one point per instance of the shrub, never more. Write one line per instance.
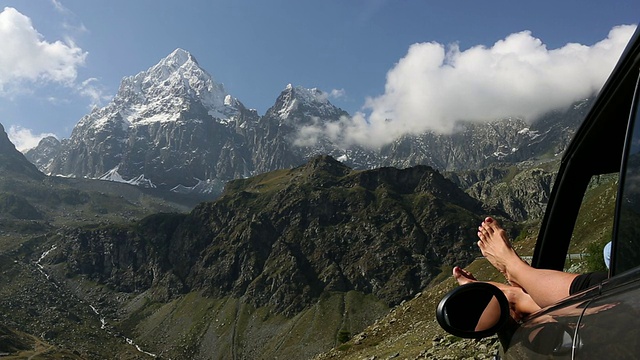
(343, 336)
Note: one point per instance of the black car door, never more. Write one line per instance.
(551, 333)
(610, 325)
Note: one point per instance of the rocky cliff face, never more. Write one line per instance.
(521, 191)
(284, 238)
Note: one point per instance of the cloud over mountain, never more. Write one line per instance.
(434, 86)
(25, 139)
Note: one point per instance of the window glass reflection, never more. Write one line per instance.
(627, 248)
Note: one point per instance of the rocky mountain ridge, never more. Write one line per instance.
(319, 240)
(284, 239)
(294, 259)
(173, 127)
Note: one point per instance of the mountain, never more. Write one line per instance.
(477, 146)
(174, 128)
(13, 162)
(278, 145)
(171, 126)
(521, 190)
(32, 203)
(43, 155)
(34, 206)
(298, 252)
(256, 237)
(321, 241)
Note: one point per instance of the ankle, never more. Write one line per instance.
(515, 267)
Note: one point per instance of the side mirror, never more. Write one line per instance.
(473, 310)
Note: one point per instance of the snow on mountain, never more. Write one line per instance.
(113, 175)
(166, 125)
(295, 99)
(211, 186)
(163, 92)
(173, 127)
(169, 87)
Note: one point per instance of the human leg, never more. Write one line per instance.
(520, 303)
(544, 286)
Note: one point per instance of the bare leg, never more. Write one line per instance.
(520, 303)
(545, 286)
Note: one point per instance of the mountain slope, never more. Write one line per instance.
(13, 162)
(502, 141)
(32, 203)
(297, 233)
(284, 242)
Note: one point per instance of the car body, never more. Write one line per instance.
(602, 322)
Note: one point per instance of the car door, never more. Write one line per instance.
(549, 334)
(610, 325)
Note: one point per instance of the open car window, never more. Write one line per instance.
(594, 225)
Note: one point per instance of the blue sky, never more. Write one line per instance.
(61, 57)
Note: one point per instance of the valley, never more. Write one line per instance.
(177, 223)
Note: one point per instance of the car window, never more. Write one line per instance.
(626, 248)
(594, 225)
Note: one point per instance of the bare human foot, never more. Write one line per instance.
(462, 276)
(496, 247)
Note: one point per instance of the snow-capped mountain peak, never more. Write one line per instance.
(172, 126)
(170, 87)
(295, 98)
(178, 58)
(164, 92)
(180, 63)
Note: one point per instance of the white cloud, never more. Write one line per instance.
(26, 56)
(58, 6)
(333, 94)
(92, 89)
(24, 139)
(337, 93)
(433, 86)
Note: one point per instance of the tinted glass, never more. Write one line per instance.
(627, 246)
(594, 225)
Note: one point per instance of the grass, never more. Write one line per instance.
(228, 327)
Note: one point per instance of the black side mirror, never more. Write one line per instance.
(473, 310)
